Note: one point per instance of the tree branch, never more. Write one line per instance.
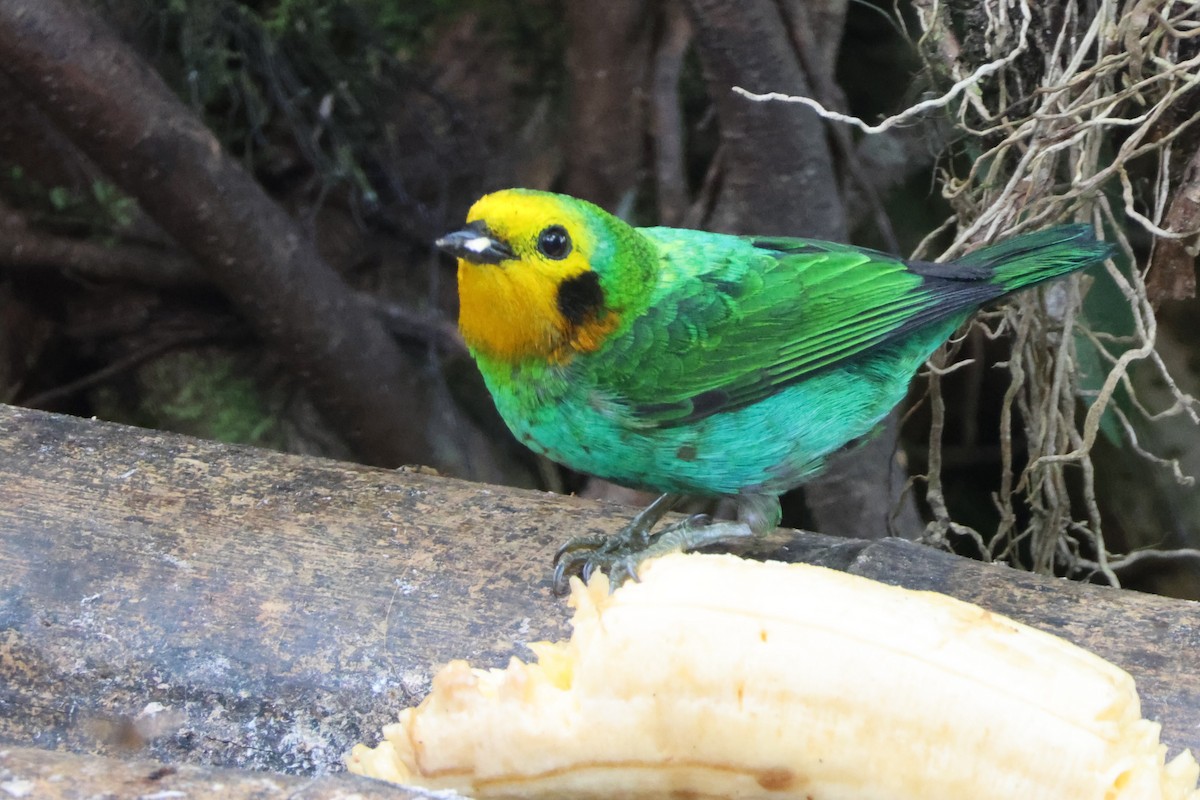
(121, 114)
(25, 248)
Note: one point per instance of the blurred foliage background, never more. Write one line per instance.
(375, 124)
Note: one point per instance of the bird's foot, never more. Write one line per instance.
(619, 555)
(583, 555)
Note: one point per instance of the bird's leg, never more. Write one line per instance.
(620, 554)
(757, 514)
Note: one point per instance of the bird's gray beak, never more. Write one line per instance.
(475, 243)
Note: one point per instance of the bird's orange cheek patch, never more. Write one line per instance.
(592, 333)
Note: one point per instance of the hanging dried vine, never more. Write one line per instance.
(1063, 119)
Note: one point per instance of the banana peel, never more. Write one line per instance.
(720, 677)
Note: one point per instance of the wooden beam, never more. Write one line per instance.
(189, 601)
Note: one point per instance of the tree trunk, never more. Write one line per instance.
(121, 114)
(608, 59)
(778, 174)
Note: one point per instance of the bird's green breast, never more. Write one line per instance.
(571, 416)
(720, 307)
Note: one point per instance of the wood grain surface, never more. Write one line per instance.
(194, 602)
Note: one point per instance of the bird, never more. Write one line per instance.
(701, 364)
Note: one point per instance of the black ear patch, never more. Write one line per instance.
(580, 297)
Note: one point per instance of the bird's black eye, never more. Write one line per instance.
(554, 242)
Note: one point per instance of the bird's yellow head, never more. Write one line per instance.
(545, 276)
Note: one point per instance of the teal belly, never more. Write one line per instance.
(768, 447)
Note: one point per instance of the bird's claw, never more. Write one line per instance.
(620, 554)
(616, 555)
(579, 543)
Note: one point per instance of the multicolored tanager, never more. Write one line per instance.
(695, 363)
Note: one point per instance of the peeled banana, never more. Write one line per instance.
(725, 678)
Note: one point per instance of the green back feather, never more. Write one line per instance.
(735, 319)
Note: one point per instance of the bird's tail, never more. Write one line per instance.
(1035, 257)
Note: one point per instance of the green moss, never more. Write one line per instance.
(209, 394)
(100, 209)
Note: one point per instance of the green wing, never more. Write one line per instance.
(737, 319)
